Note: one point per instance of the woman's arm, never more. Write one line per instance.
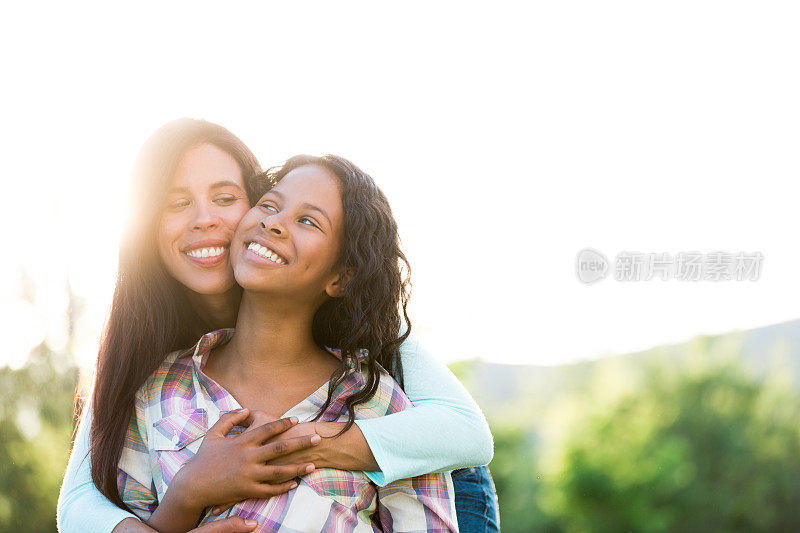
(84, 509)
(445, 430)
(81, 507)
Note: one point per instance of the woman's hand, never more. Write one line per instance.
(348, 451)
(306, 429)
(234, 469)
(233, 524)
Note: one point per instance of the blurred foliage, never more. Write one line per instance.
(711, 450)
(36, 407)
(669, 440)
(519, 486)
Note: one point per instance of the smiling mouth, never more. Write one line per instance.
(266, 253)
(214, 251)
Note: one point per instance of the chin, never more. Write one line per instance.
(254, 283)
(251, 285)
(212, 287)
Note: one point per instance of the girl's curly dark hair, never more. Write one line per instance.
(367, 316)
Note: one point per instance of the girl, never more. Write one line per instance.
(319, 261)
(192, 179)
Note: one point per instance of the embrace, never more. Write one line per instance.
(257, 371)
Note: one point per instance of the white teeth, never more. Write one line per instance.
(206, 252)
(266, 253)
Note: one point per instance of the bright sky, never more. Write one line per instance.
(507, 138)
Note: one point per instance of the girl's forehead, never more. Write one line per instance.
(310, 184)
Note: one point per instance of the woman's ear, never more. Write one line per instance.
(335, 289)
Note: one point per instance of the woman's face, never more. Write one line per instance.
(204, 205)
(291, 240)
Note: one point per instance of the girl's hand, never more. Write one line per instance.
(257, 419)
(234, 469)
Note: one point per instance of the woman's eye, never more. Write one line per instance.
(178, 204)
(225, 200)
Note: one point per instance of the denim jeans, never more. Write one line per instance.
(476, 500)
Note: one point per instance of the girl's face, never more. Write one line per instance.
(204, 205)
(291, 240)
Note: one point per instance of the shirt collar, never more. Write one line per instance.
(211, 340)
(208, 342)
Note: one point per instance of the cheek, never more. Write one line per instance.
(241, 225)
(234, 216)
(334, 248)
(165, 237)
(323, 255)
(171, 229)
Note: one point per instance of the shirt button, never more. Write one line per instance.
(175, 439)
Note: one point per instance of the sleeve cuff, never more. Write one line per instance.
(378, 477)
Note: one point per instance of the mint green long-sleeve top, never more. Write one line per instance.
(446, 430)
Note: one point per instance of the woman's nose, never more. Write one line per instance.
(204, 219)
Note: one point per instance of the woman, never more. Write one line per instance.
(165, 302)
(320, 264)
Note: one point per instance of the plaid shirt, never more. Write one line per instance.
(177, 405)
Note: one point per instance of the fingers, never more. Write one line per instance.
(275, 475)
(286, 446)
(225, 424)
(267, 431)
(268, 490)
(256, 419)
(219, 509)
(233, 524)
(269, 481)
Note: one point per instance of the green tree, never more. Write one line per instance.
(35, 437)
(713, 452)
(519, 484)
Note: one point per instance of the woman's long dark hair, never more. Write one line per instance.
(150, 314)
(367, 316)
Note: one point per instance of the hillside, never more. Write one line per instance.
(766, 351)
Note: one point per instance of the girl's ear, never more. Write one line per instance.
(335, 289)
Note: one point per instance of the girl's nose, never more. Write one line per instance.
(271, 225)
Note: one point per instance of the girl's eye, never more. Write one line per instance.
(269, 206)
(309, 222)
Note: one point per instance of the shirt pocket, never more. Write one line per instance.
(178, 430)
(176, 438)
(349, 488)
